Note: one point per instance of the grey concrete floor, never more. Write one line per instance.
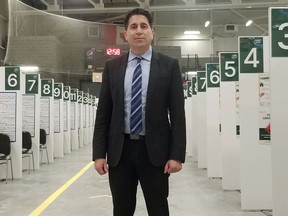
(191, 192)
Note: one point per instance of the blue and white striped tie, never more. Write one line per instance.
(136, 100)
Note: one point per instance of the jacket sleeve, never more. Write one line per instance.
(177, 115)
(103, 117)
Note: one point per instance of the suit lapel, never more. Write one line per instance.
(154, 73)
(120, 78)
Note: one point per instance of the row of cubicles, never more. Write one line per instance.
(29, 103)
(237, 118)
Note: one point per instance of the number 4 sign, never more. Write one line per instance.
(251, 54)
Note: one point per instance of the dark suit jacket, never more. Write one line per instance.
(164, 118)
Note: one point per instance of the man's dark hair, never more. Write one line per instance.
(138, 11)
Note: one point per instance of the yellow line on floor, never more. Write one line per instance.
(57, 193)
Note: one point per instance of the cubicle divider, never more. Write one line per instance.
(214, 151)
(230, 143)
(278, 27)
(255, 154)
(11, 89)
(74, 122)
(80, 119)
(188, 113)
(31, 112)
(85, 115)
(194, 126)
(201, 123)
(47, 115)
(66, 119)
(58, 121)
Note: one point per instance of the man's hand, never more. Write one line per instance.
(101, 166)
(172, 166)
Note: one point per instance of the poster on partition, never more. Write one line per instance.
(28, 114)
(237, 98)
(8, 101)
(65, 117)
(56, 116)
(72, 115)
(264, 109)
(45, 114)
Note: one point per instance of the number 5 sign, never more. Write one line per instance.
(279, 30)
(229, 66)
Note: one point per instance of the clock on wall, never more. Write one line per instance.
(113, 51)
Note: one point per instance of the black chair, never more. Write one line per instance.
(43, 145)
(27, 148)
(5, 151)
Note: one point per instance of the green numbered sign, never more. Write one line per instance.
(66, 93)
(279, 32)
(251, 54)
(185, 89)
(85, 98)
(201, 80)
(31, 83)
(74, 95)
(58, 90)
(47, 87)
(213, 77)
(194, 86)
(229, 66)
(189, 87)
(80, 97)
(12, 78)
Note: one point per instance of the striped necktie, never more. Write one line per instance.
(136, 99)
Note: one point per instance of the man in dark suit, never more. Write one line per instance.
(140, 122)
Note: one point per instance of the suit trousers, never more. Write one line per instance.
(135, 166)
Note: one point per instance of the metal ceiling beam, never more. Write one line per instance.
(156, 8)
(265, 31)
(100, 5)
(171, 8)
(44, 2)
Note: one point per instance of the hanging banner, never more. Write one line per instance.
(264, 109)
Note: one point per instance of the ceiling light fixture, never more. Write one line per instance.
(249, 22)
(207, 23)
(191, 32)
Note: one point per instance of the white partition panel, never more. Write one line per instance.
(91, 110)
(188, 113)
(31, 112)
(214, 150)
(278, 31)
(11, 88)
(74, 122)
(230, 142)
(255, 155)
(66, 119)
(58, 121)
(194, 125)
(201, 108)
(80, 119)
(85, 115)
(47, 116)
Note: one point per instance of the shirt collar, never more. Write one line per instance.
(146, 56)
